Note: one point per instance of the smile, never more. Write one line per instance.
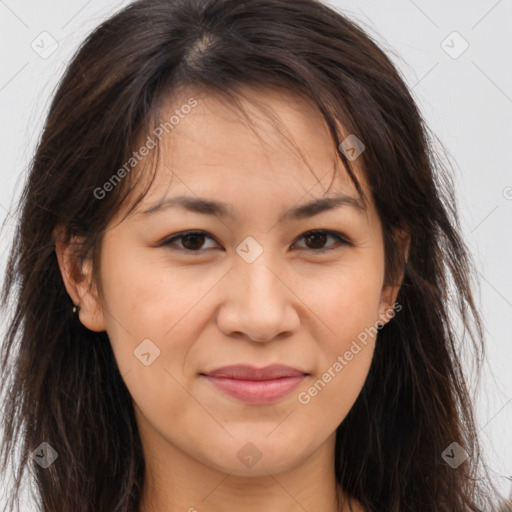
(256, 385)
(256, 391)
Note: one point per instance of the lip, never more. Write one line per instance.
(254, 385)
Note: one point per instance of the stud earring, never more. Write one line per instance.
(76, 309)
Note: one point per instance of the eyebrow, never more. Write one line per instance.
(210, 207)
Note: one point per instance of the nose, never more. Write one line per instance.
(258, 304)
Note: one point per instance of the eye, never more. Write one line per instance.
(318, 238)
(193, 241)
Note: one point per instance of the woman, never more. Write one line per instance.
(234, 276)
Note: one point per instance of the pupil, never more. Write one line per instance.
(321, 236)
(193, 237)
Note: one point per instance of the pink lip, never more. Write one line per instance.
(256, 385)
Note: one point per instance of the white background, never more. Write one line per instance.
(467, 101)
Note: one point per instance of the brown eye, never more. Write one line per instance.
(191, 241)
(316, 240)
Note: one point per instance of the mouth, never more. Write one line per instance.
(253, 385)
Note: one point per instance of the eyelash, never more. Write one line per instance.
(338, 236)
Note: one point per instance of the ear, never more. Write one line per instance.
(390, 292)
(78, 280)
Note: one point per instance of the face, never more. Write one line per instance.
(252, 286)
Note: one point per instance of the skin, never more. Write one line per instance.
(210, 308)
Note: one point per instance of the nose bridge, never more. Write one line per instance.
(259, 283)
(258, 302)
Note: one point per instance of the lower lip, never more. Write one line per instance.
(256, 391)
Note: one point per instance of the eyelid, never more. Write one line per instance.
(341, 238)
(166, 242)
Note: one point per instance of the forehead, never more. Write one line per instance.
(270, 141)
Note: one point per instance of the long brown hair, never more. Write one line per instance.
(61, 381)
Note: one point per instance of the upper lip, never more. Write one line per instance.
(248, 372)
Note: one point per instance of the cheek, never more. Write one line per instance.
(349, 300)
(344, 357)
(348, 306)
(154, 315)
(145, 298)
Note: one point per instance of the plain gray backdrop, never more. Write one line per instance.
(457, 59)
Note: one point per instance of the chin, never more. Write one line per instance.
(258, 455)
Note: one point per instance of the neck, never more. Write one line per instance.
(178, 483)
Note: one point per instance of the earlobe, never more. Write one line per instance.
(78, 281)
(387, 313)
(389, 306)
